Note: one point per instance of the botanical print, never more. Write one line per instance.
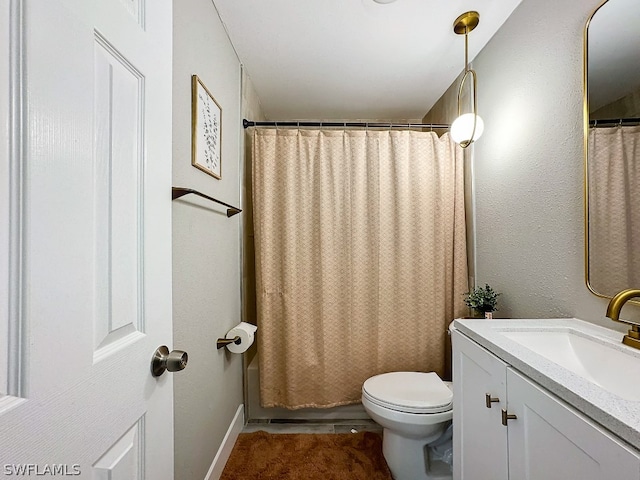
(207, 148)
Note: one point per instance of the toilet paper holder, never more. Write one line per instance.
(222, 342)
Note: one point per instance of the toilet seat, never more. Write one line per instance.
(410, 392)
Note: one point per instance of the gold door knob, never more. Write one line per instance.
(163, 360)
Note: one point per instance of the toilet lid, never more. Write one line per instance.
(412, 392)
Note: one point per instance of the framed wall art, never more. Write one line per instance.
(206, 130)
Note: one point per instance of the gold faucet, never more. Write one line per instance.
(632, 338)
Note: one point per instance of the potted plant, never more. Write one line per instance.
(482, 300)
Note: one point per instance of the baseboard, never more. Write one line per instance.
(229, 440)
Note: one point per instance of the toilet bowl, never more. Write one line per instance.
(415, 410)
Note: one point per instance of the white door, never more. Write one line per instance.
(551, 441)
(479, 438)
(85, 271)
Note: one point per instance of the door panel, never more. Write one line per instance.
(119, 90)
(551, 441)
(479, 438)
(9, 209)
(87, 259)
(136, 8)
(124, 460)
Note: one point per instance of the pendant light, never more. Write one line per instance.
(468, 127)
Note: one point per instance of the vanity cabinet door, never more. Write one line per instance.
(479, 438)
(550, 440)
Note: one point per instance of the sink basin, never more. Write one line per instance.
(612, 367)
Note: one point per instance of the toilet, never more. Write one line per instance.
(415, 411)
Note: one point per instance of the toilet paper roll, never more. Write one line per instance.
(246, 332)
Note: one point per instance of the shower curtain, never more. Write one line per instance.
(360, 258)
(614, 208)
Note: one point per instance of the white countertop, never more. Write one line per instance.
(619, 415)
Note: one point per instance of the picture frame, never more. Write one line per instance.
(206, 130)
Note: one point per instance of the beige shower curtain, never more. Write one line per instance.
(360, 258)
(614, 208)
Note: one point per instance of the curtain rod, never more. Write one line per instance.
(612, 122)
(248, 123)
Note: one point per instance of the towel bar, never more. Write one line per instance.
(177, 192)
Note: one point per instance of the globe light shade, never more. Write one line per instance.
(462, 128)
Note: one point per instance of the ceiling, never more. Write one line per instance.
(354, 59)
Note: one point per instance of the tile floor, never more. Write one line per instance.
(312, 426)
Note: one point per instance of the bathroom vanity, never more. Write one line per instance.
(543, 400)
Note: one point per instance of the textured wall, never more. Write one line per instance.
(206, 244)
(528, 166)
(446, 111)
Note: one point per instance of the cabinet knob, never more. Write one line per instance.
(507, 416)
(489, 400)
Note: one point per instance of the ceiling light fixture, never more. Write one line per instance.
(467, 128)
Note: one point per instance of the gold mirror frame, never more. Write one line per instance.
(585, 102)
